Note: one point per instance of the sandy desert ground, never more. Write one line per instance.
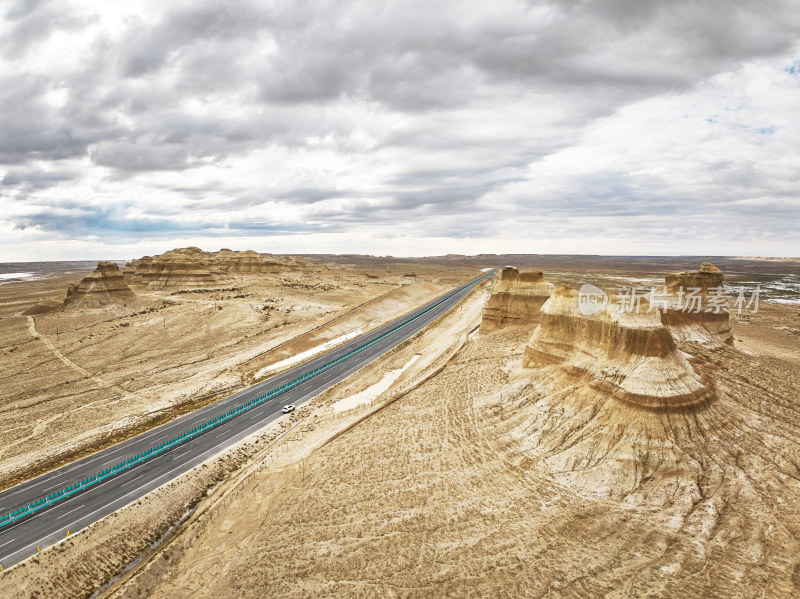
(74, 380)
(469, 476)
(445, 493)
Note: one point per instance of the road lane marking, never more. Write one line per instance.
(7, 543)
(127, 445)
(124, 496)
(188, 466)
(69, 512)
(238, 437)
(133, 479)
(36, 484)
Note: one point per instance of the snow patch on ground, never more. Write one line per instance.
(373, 391)
(16, 275)
(308, 353)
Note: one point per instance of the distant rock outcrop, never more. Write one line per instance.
(193, 267)
(249, 261)
(185, 267)
(696, 304)
(630, 356)
(708, 277)
(104, 287)
(516, 299)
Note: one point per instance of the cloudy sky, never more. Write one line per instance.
(399, 127)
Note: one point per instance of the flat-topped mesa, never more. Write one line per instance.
(104, 287)
(193, 267)
(184, 267)
(249, 261)
(516, 299)
(708, 277)
(695, 304)
(629, 355)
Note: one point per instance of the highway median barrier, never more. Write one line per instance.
(40, 504)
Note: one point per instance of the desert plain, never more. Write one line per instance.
(517, 448)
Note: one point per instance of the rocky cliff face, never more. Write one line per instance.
(516, 299)
(193, 267)
(104, 287)
(708, 277)
(690, 311)
(185, 267)
(629, 356)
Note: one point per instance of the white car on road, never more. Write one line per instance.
(287, 409)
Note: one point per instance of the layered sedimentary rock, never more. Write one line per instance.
(708, 277)
(249, 261)
(185, 267)
(517, 299)
(696, 305)
(630, 356)
(193, 267)
(105, 286)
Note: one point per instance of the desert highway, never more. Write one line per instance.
(20, 537)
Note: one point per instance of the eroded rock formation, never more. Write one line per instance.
(193, 267)
(708, 277)
(105, 286)
(516, 299)
(630, 356)
(696, 306)
(249, 261)
(185, 267)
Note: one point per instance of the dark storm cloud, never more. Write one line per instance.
(415, 56)
(36, 179)
(186, 29)
(171, 140)
(143, 156)
(31, 129)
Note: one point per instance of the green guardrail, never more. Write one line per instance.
(84, 484)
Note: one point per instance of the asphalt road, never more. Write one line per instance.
(20, 539)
